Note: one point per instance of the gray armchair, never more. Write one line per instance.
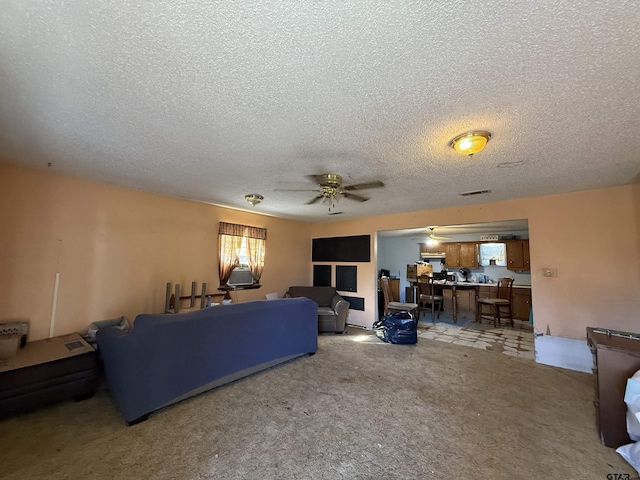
(332, 308)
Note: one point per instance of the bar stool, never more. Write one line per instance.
(502, 301)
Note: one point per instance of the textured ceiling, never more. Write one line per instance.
(213, 100)
(506, 227)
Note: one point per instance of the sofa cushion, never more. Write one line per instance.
(321, 295)
(326, 312)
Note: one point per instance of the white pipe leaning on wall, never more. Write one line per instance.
(55, 305)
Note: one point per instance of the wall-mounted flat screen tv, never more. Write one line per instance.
(341, 249)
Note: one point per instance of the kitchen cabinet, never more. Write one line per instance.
(469, 255)
(518, 255)
(521, 303)
(466, 302)
(461, 255)
(452, 255)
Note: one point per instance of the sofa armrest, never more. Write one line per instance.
(341, 307)
(125, 367)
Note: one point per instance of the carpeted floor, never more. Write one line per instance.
(358, 409)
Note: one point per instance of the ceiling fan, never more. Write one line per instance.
(432, 239)
(331, 189)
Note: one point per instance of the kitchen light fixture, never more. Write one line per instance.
(470, 142)
(253, 198)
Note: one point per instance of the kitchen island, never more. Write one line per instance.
(461, 297)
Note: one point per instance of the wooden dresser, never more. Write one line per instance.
(615, 359)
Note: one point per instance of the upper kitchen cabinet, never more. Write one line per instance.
(469, 255)
(461, 255)
(518, 255)
(426, 249)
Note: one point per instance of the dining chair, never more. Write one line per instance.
(392, 306)
(427, 295)
(502, 301)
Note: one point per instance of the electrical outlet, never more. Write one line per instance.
(549, 272)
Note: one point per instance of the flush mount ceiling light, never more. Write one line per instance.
(253, 198)
(471, 142)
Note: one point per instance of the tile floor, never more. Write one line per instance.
(516, 341)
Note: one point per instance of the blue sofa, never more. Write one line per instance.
(166, 358)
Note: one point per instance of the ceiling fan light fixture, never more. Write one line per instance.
(469, 143)
(253, 198)
(431, 242)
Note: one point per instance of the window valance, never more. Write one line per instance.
(242, 231)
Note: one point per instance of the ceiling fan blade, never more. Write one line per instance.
(362, 186)
(315, 199)
(357, 198)
(319, 179)
(433, 236)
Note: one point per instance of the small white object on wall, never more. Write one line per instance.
(52, 323)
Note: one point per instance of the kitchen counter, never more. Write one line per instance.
(474, 284)
(521, 295)
(413, 281)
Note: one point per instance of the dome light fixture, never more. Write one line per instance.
(471, 142)
(253, 198)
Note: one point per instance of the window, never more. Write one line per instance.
(242, 254)
(241, 275)
(242, 250)
(493, 254)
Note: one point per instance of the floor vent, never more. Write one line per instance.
(477, 192)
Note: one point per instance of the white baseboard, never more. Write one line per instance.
(564, 353)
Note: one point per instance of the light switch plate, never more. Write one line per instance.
(549, 272)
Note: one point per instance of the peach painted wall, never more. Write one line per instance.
(115, 249)
(591, 237)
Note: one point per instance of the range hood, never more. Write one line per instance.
(426, 255)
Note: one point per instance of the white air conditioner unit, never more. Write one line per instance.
(240, 277)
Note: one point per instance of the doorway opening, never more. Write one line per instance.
(397, 250)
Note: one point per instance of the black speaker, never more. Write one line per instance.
(322, 275)
(346, 278)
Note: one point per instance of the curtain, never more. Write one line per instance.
(229, 249)
(255, 256)
(230, 237)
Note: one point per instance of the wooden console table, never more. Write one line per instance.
(615, 359)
